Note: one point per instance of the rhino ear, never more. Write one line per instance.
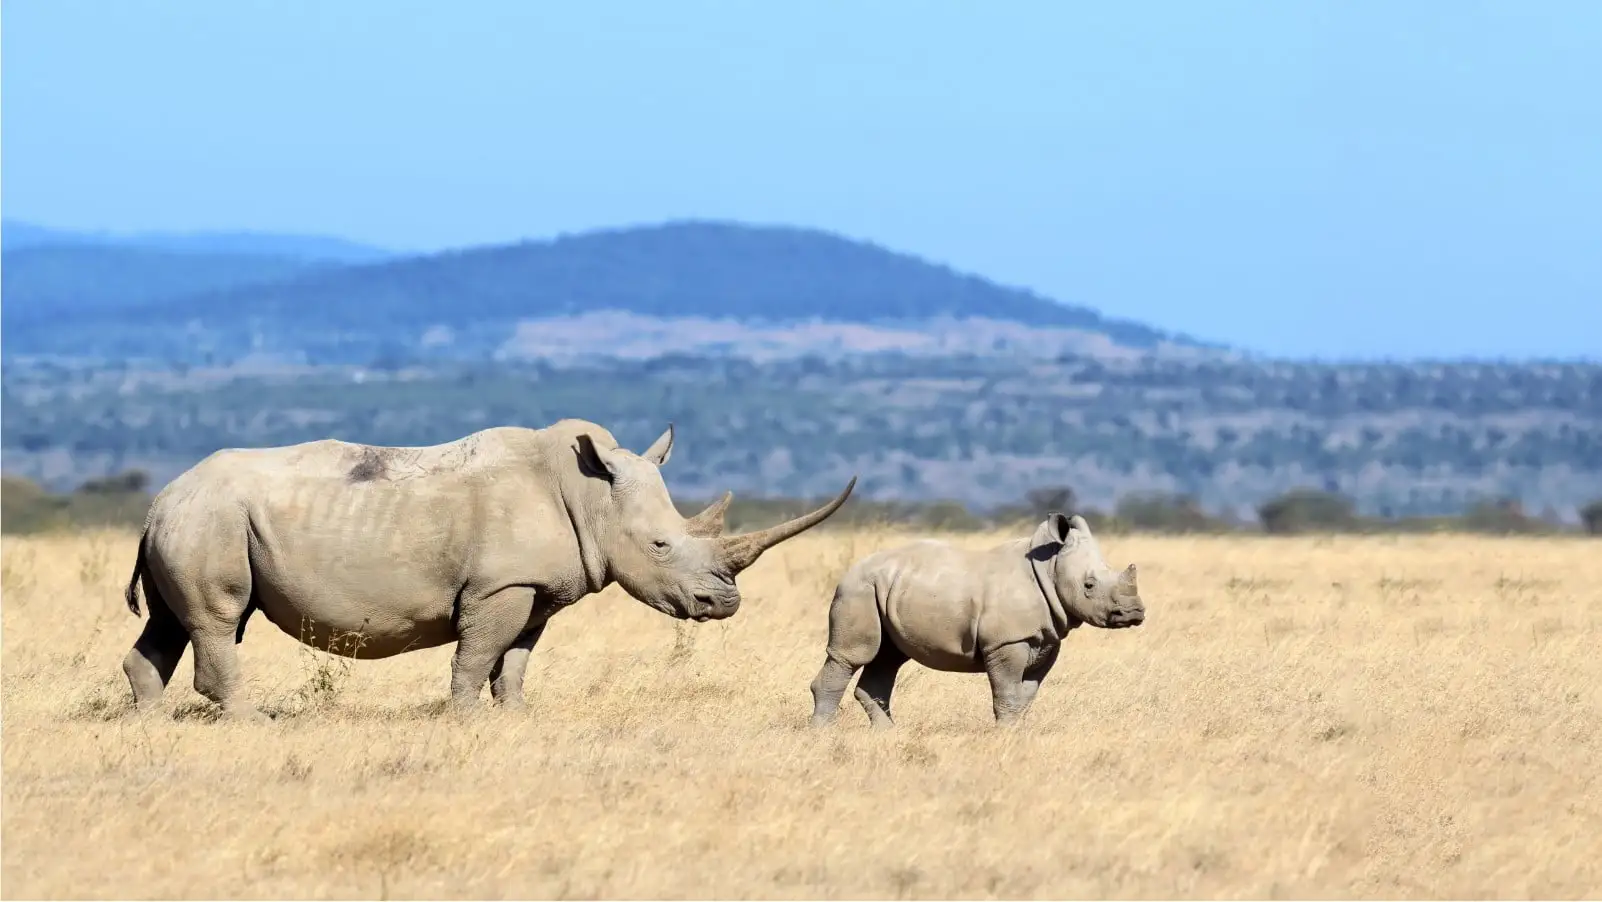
(661, 449)
(1059, 525)
(1078, 522)
(1050, 537)
(595, 460)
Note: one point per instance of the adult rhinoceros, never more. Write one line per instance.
(369, 552)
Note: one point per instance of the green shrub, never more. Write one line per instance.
(1501, 517)
(1591, 516)
(1164, 512)
(116, 501)
(1308, 510)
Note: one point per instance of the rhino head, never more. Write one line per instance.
(1068, 557)
(680, 566)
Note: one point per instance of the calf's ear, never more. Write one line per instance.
(1051, 536)
(1061, 525)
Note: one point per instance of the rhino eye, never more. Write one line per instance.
(1090, 584)
(660, 544)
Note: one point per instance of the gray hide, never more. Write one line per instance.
(368, 552)
(1004, 611)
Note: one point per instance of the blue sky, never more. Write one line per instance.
(1342, 179)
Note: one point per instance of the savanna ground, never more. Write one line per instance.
(1403, 717)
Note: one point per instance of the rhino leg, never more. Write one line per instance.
(149, 665)
(488, 628)
(828, 687)
(854, 638)
(214, 628)
(506, 678)
(217, 672)
(1009, 695)
(214, 591)
(1035, 674)
(878, 683)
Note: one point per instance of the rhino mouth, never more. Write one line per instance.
(1125, 619)
(703, 608)
(708, 606)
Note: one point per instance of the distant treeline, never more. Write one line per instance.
(1401, 440)
(1303, 511)
(122, 499)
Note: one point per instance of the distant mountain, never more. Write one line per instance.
(478, 301)
(66, 282)
(17, 235)
(686, 269)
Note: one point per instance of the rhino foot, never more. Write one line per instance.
(460, 709)
(511, 705)
(145, 711)
(245, 714)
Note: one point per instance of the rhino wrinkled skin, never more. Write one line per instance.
(1004, 611)
(369, 552)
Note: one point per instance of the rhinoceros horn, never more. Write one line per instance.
(708, 524)
(740, 552)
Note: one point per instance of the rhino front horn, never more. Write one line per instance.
(1126, 580)
(740, 552)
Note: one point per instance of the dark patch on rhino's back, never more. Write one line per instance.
(370, 466)
(377, 463)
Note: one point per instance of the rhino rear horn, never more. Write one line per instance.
(740, 552)
(708, 524)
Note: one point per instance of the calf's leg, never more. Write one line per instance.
(1008, 695)
(1035, 674)
(854, 639)
(827, 689)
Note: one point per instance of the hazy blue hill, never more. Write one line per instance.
(157, 304)
(48, 282)
(706, 269)
(17, 235)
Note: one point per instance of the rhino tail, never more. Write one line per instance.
(132, 593)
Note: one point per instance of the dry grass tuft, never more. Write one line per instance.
(1301, 717)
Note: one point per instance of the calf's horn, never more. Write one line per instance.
(740, 552)
(1126, 580)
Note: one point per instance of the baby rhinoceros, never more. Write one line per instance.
(1004, 611)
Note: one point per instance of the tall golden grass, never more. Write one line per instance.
(1348, 717)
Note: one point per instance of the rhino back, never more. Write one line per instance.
(382, 541)
(945, 606)
(928, 603)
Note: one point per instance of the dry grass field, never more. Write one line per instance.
(1351, 717)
